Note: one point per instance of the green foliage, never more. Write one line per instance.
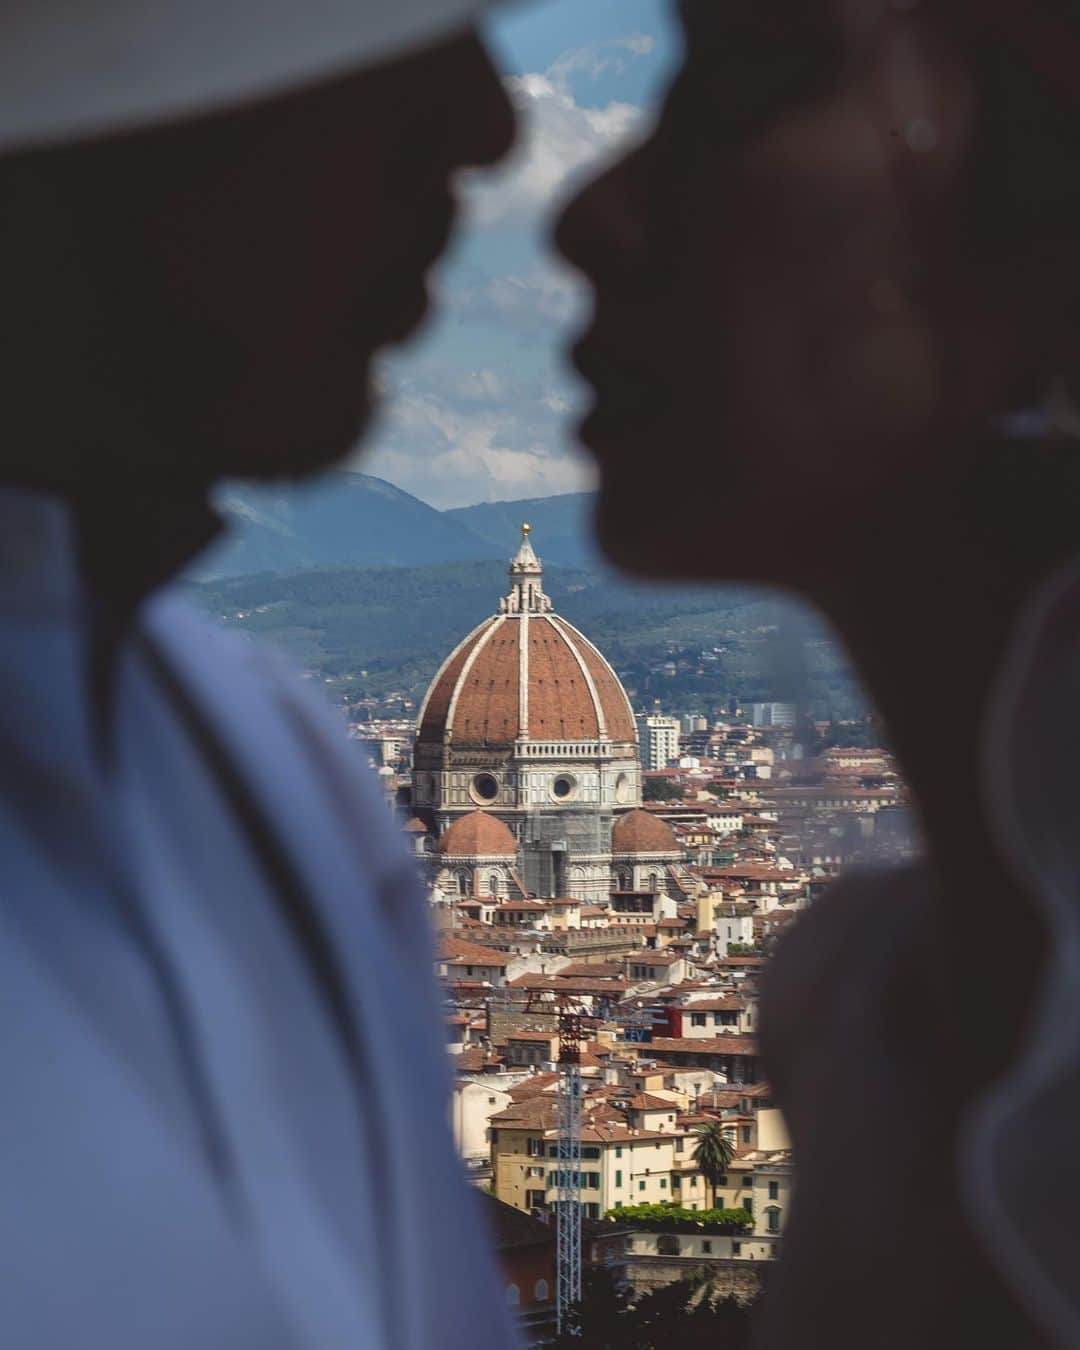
(662, 790)
(718, 790)
(686, 1314)
(713, 1150)
(741, 949)
(673, 1218)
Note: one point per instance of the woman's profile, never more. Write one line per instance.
(836, 299)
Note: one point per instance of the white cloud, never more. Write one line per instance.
(454, 458)
(641, 44)
(560, 139)
(480, 385)
(480, 412)
(601, 58)
(545, 299)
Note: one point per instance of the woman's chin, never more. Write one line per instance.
(629, 538)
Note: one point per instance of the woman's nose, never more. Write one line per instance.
(602, 232)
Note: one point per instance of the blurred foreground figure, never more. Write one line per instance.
(223, 1120)
(839, 288)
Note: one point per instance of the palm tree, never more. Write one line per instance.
(713, 1152)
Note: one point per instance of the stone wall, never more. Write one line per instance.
(742, 1279)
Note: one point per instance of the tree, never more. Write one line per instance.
(662, 790)
(713, 1152)
(685, 1314)
(596, 1322)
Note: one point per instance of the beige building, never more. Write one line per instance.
(711, 1016)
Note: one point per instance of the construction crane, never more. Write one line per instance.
(570, 1019)
(568, 1121)
(568, 1130)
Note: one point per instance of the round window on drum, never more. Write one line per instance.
(485, 787)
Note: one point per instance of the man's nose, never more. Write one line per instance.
(483, 118)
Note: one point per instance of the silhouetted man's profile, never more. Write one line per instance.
(836, 299)
(222, 1122)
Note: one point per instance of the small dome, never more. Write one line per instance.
(639, 832)
(478, 835)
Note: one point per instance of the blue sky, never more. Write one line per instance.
(480, 406)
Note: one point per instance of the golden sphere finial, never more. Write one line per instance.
(526, 529)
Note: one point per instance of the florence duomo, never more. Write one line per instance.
(527, 773)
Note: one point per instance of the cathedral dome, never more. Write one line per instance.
(525, 674)
(639, 832)
(478, 835)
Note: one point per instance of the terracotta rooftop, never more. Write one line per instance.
(570, 691)
(639, 832)
(454, 951)
(645, 1101)
(596, 970)
(533, 1086)
(478, 835)
(704, 1045)
(475, 1059)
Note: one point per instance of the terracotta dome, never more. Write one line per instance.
(478, 835)
(525, 674)
(639, 832)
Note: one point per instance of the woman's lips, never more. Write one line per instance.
(629, 397)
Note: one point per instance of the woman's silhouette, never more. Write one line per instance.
(836, 299)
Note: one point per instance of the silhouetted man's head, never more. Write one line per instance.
(816, 278)
(206, 297)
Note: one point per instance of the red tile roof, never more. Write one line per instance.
(639, 832)
(703, 1045)
(478, 835)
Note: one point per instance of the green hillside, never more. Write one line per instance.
(562, 526)
(342, 519)
(377, 631)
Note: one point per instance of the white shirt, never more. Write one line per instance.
(1021, 1179)
(200, 1146)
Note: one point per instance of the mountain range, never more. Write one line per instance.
(356, 520)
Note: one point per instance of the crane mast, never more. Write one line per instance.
(568, 1129)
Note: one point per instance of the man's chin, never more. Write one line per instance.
(322, 444)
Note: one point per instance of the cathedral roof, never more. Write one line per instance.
(526, 674)
(478, 835)
(639, 832)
